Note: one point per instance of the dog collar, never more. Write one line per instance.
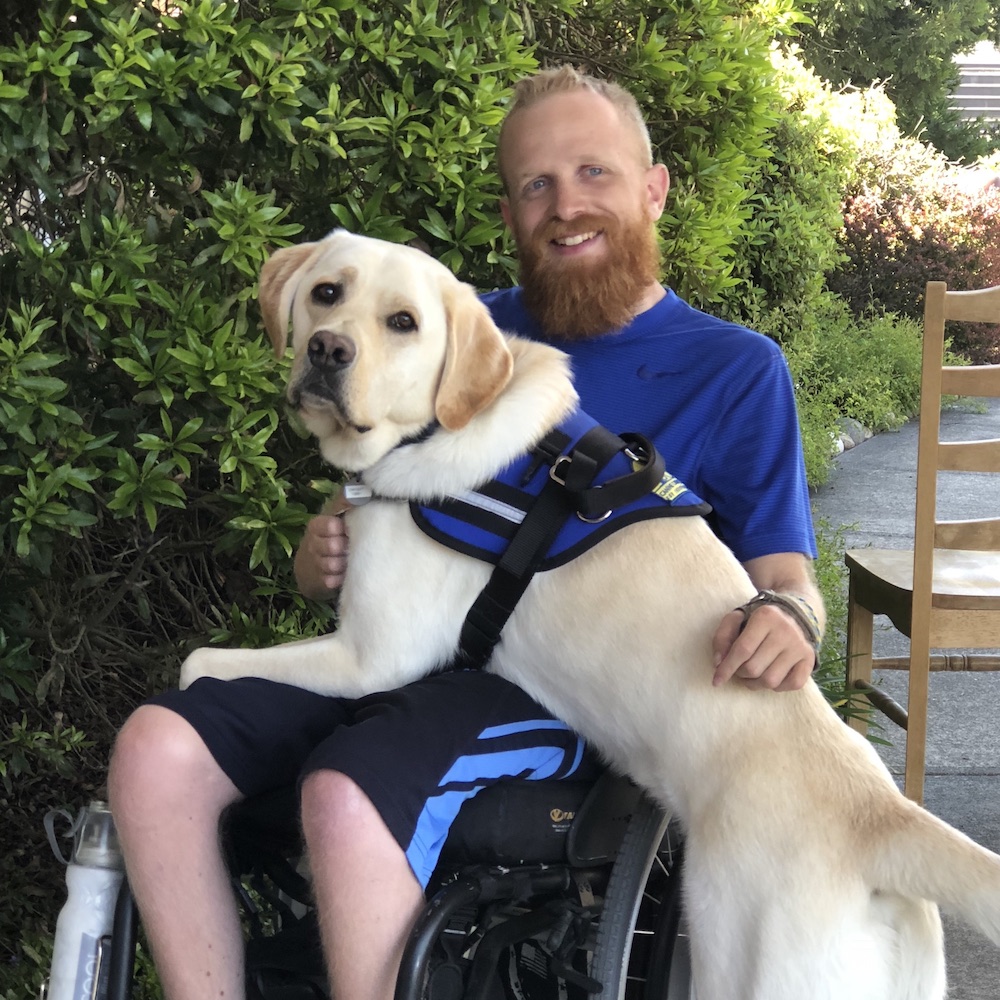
(418, 438)
(355, 492)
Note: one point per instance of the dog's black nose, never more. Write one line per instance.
(331, 351)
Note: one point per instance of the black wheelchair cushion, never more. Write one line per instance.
(515, 822)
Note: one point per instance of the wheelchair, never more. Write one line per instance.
(546, 890)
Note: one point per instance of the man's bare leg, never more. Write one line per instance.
(367, 894)
(167, 794)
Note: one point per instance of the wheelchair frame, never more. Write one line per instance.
(605, 921)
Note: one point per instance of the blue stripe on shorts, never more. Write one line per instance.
(471, 773)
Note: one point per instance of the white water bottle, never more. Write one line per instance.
(94, 873)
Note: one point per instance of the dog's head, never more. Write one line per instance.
(386, 341)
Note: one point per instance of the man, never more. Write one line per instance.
(581, 198)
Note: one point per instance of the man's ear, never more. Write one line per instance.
(478, 363)
(279, 279)
(657, 188)
(505, 213)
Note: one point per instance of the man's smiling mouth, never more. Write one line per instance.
(574, 241)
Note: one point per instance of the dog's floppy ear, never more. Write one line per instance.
(478, 363)
(278, 282)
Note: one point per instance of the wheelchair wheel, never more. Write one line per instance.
(641, 951)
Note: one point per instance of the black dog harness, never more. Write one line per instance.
(574, 488)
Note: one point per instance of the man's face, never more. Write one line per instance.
(581, 206)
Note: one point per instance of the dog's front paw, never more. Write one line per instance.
(203, 662)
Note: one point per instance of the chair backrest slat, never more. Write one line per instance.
(975, 380)
(981, 305)
(969, 456)
(973, 536)
(940, 305)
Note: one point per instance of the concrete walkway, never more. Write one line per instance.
(871, 493)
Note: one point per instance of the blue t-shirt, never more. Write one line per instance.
(717, 400)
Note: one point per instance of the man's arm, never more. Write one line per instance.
(772, 650)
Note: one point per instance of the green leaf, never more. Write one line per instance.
(132, 367)
(144, 113)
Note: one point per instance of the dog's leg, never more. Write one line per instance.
(328, 665)
(917, 947)
(809, 934)
(401, 611)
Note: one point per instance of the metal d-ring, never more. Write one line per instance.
(553, 475)
(562, 460)
(594, 520)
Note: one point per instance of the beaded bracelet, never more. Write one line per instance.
(798, 607)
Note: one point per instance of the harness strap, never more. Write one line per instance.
(595, 502)
(510, 577)
(567, 491)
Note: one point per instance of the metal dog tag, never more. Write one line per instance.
(356, 493)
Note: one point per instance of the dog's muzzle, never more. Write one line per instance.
(328, 354)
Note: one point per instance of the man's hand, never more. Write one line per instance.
(772, 651)
(321, 559)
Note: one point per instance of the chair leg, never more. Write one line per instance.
(916, 730)
(860, 625)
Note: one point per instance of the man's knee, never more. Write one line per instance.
(157, 749)
(331, 801)
(351, 849)
(338, 815)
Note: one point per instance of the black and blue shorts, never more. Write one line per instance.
(418, 752)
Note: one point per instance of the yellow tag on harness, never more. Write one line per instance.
(669, 488)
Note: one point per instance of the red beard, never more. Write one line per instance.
(576, 299)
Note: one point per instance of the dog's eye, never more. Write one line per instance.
(327, 293)
(402, 322)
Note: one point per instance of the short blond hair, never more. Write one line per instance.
(564, 80)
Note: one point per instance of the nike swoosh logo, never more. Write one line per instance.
(650, 374)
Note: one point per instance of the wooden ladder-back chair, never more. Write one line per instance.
(945, 593)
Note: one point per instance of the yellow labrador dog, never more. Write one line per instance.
(808, 874)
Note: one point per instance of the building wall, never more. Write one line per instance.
(978, 94)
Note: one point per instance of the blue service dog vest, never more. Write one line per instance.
(482, 522)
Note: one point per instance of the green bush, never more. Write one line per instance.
(791, 246)
(911, 47)
(865, 367)
(790, 240)
(911, 216)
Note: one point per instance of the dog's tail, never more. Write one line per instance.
(918, 855)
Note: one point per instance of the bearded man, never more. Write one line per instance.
(382, 778)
